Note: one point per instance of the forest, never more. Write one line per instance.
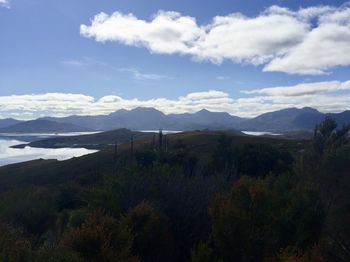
(197, 196)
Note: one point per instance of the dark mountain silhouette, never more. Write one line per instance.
(342, 118)
(42, 126)
(8, 122)
(142, 118)
(286, 120)
(91, 141)
(205, 119)
(136, 119)
(290, 119)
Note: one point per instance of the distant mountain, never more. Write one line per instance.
(341, 118)
(8, 122)
(290, 119)
(142, 118)
(205, 119)
(43, 126)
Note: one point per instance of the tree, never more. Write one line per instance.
(260, 159)
(153, 237)
(327, 139)
(15, 245)
(32, 209)
(223, 157)
(100, 238)
(258, 217)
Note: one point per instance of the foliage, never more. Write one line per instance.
(202, 253)
(255, 219)
(33, 209)
(100, 238)
(14, 244)
(152, 231)
(206, 196)
(327, 139)
(260, 159)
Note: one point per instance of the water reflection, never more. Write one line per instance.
(10, 155)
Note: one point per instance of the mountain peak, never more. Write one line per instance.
(203, 111)
(309, 110)
(145, 109)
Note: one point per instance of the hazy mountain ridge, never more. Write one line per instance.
(289, 119)
(152, 119)
(8, 122)
(43, 126)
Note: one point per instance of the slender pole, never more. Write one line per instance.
(166, 142)
(132, 148)
(115, 151)
(115, 159)
(160, 138)
(154, 142)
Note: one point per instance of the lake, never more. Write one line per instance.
(165, 132)
(10, 155)
(256, 133)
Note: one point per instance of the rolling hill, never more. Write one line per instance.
(200, 143)
(90, 141)
(43, 126)
(8, 122)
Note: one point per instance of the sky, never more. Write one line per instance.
(86, 57)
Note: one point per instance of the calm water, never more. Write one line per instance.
(11, 155)
(252, 133)
(163, 131)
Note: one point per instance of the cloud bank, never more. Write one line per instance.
(332, 96)
(309, 41)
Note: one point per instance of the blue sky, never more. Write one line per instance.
(53, 51)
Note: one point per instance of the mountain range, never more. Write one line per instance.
(285, 120)
(41, 126)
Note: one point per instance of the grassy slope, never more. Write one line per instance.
(45, 172)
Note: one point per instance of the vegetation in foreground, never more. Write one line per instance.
(199, 196)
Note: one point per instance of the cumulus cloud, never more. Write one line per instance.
(332, 96)
(308, 41)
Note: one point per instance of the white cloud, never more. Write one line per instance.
(5, 3)
(332, 96)
(324, 47)
(168, 32)
(138, 75)
(302, 89)
(308, 41)
(85, 61)
(76, 63)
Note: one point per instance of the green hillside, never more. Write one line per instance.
(193, 196)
